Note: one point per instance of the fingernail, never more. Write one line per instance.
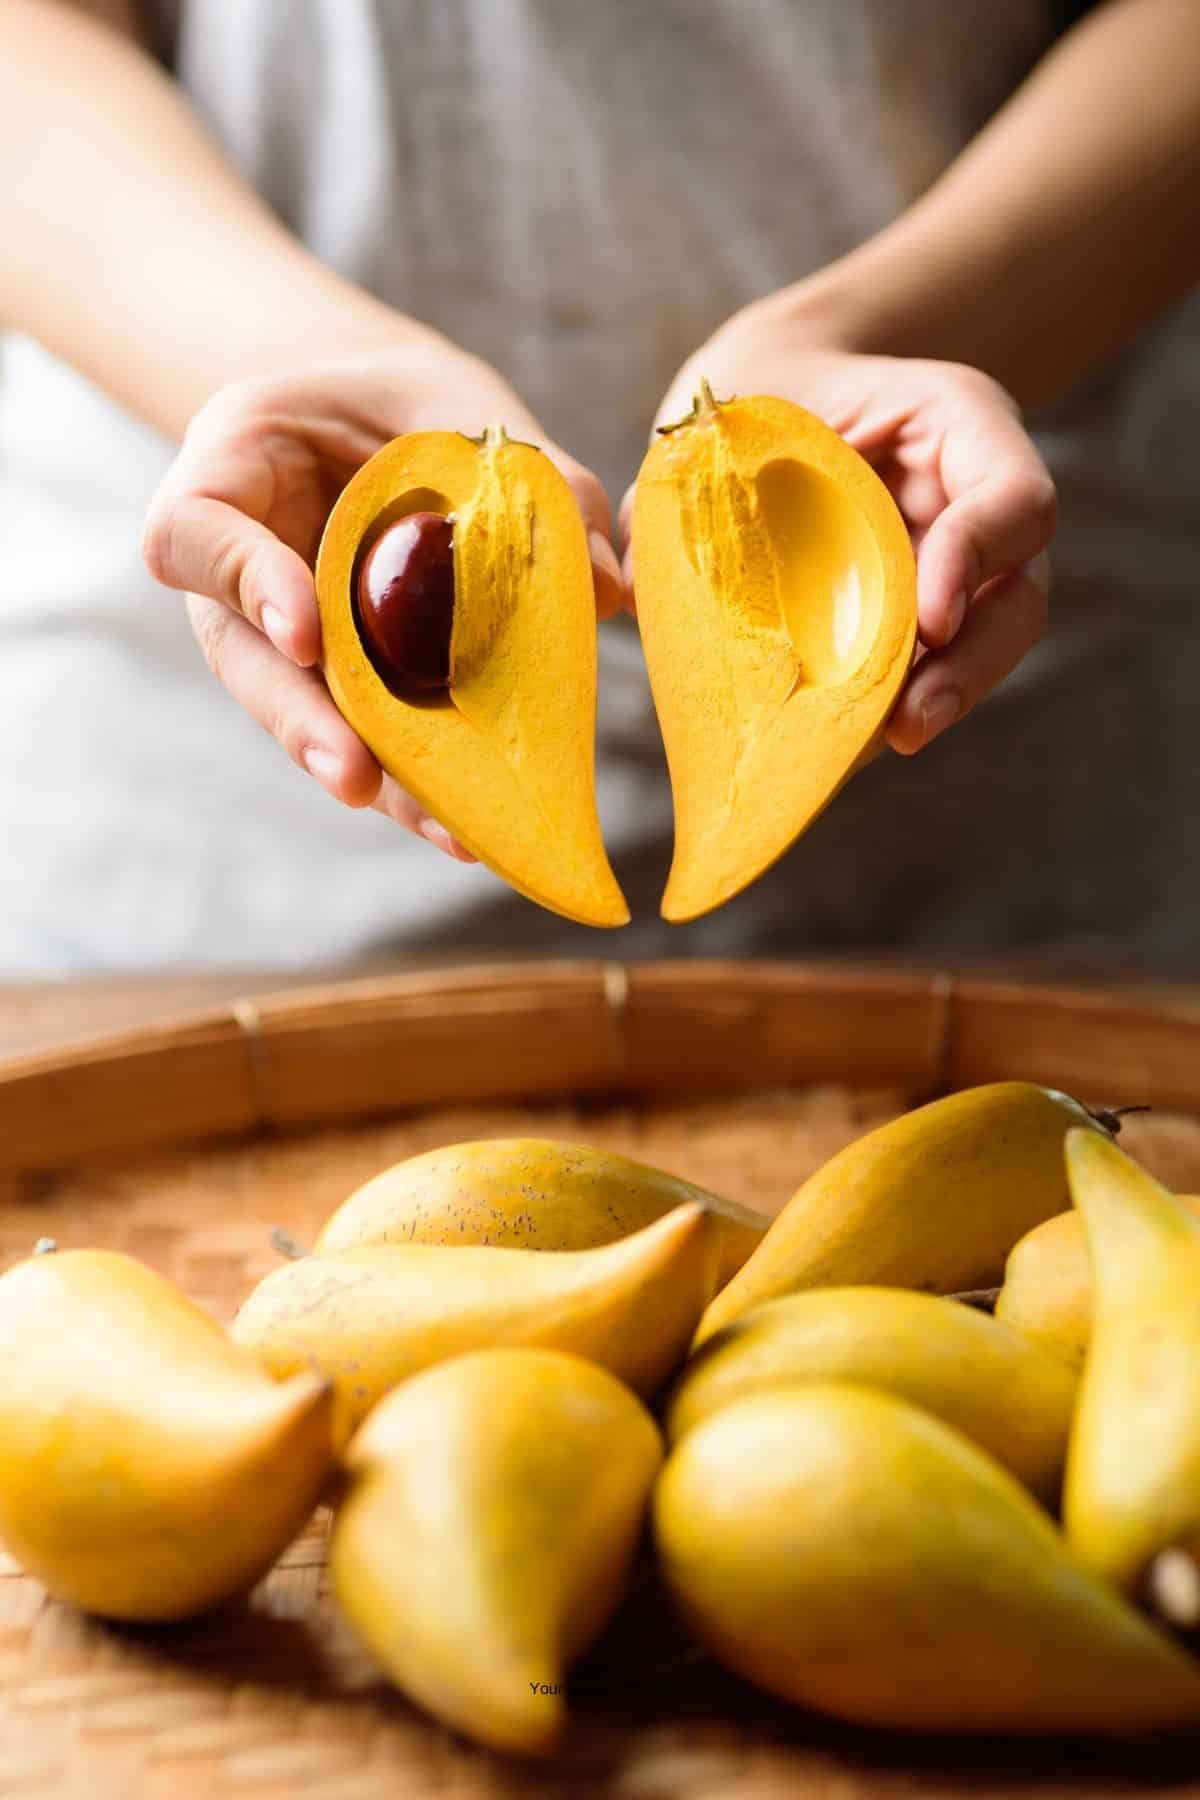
(322, 764)
(955, 613)
(939, 711)
(279, 630)
(437, 835)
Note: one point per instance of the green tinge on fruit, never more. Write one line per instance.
(847, 1552)
(1133, 1473)
(494, 1507)
(935, 1199)
(1000, 1389)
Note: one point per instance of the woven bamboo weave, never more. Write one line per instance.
(716, 1074)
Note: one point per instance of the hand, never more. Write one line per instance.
(976, 497)
(238, 518)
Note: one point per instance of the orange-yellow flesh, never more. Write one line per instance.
(777, 605)
(506, 761)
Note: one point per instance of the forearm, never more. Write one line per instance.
(131, 247)
(1064, 229)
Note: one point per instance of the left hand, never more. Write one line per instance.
(975, 494)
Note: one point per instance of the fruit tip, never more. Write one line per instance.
(676, 913)
(612, 916)
(531, 1726)
(710, 1323)
(1082, 1145)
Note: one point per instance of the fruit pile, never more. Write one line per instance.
(504, 1363)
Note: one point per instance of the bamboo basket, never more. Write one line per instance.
(186, 1142)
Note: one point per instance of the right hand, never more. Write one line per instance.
(238, 517)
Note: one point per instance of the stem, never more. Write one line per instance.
(982, 1299)
(1109, 1117)
(494, 436)
(704, 406)
(1173, 1588)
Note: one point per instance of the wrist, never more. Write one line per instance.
(329, 324)
(841, 307)
(883, 298)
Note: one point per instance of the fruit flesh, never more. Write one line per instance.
(505, 758)
(777, 605)
(405, 602)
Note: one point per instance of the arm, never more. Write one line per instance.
(163, 278)
(1061, 231)
(131, 248)
(1056, 236)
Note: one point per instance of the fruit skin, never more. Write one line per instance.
(505, 761)
(368, 1319)
(148, 1469)
(494, 1509)
(1047, 1290)
(776, 596)
(997, 1387)
(853, 1554)
(934, 1199)
(527, 1193)
(1133, 1469)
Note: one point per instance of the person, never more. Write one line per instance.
(244, 246)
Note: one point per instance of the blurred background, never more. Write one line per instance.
(583, 201)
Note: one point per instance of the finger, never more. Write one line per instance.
(208, 547)
(1001, 627)
(594, 506)
(292, 704)
(625, 543)
(607, 576)
(1001, 513)
(395, 804)
(625, 519)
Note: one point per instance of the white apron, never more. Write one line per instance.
(581, 192)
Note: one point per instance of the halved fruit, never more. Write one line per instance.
(503, 756)
(776, 595)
